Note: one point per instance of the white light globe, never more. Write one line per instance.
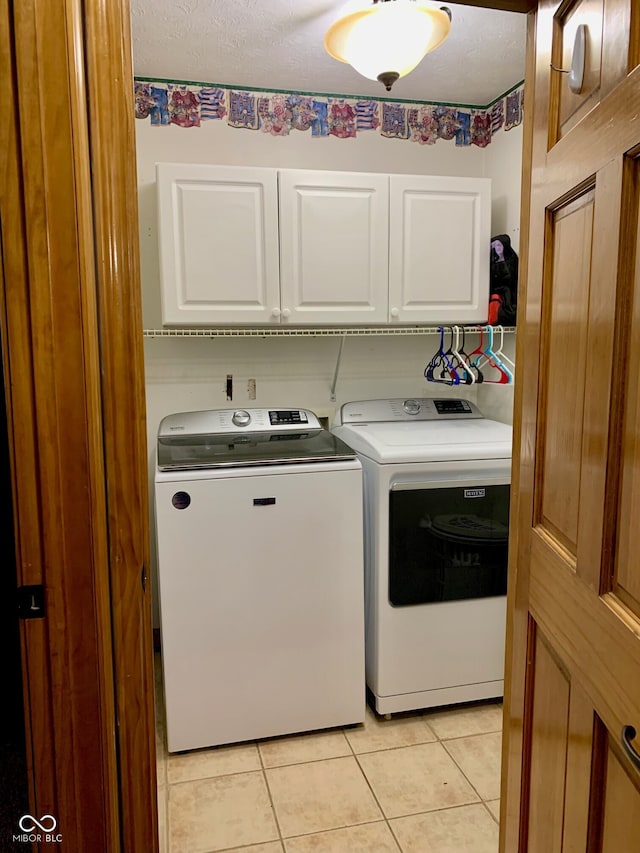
(387, 37)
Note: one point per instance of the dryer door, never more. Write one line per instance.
(447, 542)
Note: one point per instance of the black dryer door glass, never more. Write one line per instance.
(448, 544)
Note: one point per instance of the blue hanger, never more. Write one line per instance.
(441, 369)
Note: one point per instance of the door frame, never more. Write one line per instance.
(74, 372)
(514, 797)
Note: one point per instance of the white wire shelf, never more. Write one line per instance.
(307, 332)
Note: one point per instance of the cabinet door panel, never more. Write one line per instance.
(218, 233)
(439, 249)
(334, 240)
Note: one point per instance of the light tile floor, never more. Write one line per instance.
(427, 782)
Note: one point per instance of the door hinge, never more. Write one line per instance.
(31, 602)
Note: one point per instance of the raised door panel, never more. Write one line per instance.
(563, 367)
(550, 716)
(606, 48)
(621, 819)
(626, 581)
(439, 249)
(583, 793)
(218, 233)
(587, 13)
(334, 247)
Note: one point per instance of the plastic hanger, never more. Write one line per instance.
(459, 364)
(495, 357)
(476, 377)
(440, 369)
(456, 362)
(484, 353)
(501, 355)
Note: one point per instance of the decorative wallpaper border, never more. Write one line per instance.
(189, 105)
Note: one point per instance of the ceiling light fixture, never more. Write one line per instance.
(388, 39)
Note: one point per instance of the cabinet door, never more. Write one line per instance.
(218, 233)
(333, 247)
(439, 249)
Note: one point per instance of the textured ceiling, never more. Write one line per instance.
(277, 44)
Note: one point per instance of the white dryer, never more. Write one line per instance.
(436, 501)
(260, 565)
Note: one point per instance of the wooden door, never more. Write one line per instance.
(571, 778)
(439, 230)
(334, 239)
(218, 235)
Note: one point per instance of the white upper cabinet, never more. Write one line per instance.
(218, 233)
(252, 246)
(334, 238)
(439, 249)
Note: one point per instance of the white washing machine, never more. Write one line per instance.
(436, 497)
(260, 566)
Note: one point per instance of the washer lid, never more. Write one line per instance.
(230, 450)
(429, 441)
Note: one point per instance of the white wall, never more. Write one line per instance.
(188, 374)
(503, 164)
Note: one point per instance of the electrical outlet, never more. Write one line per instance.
(251, 389)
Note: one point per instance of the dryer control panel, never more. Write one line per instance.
(407, 409)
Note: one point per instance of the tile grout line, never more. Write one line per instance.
(443, 741)
(386, 821)
(463, 773)
(485, 804)
(248, 847)
(273, 805)
(331, 829)
(373, 794)
(473, 734)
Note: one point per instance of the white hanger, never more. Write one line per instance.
(501, 355)
(461, 359)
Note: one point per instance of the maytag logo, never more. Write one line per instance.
(474, 493)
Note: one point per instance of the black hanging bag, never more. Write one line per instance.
(503, 282)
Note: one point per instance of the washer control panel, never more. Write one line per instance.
(218, 421)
